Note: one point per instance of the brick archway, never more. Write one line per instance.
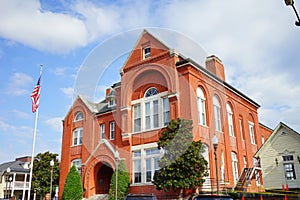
(103, 174)
(91, 178)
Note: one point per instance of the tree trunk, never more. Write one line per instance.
(180, 194)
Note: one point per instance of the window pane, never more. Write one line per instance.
(137, 118)
(147, 116)
(166, 111)
(155, 114)
(148, 170)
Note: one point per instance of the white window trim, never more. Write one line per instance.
(112, 129)
(201, 104)
(76, 119)
(111, 102)
(252, 132)
(102, 131)
(78, 167)
(230, 120)
(235, 171)
(78, 136)
(146, 55)
(217, 114)
(142, 102)
(143, 157)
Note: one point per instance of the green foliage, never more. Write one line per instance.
(73, 186)
(123, 182)
(182, 166)
(41, 175)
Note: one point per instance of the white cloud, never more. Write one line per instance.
(55, 123)
(18, 83)
(25, 22)
(69, 92)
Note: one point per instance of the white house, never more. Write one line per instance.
(14, 178)
(280, 159)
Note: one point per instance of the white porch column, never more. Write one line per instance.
(24, 187)
(13, 185)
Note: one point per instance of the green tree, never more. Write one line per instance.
(73, 186)
(41, 175)
(123, 182)
(182, 165)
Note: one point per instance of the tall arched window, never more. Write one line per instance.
(78, 116)
(230, 119)
(251, 130)
(201, 106)
(206, 157)
(234, 166)
(217, 113)
(152, 111)
(77, 136)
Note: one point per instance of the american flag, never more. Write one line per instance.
(35, 96)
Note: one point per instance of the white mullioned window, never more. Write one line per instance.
(77, 163)
(77, 136)
(151, 112)
(201, 106)
(230, 120)
(252, 133)
(102, 131)
(146, 52)
(78, 116)
(111, 130)
(217, 113)
(234, 166)
(289, 168)
(145, 162)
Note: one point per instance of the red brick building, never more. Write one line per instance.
(158, 84)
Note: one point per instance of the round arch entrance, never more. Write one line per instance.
(103, 174)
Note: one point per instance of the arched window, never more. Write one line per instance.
(77, 136)
(152, 111)
(217, 113)
(251, 130)
(151, 92)
(206, 157)
(234, 166)
(230, 119)
(201, 107)
(78, 116)
(77, 163)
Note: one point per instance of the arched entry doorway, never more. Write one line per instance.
(103, 177)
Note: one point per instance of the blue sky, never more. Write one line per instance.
(256, 40)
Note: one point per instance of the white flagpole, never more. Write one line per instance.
(33, 143)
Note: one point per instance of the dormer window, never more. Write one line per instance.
(111, 98)
(78, 116)
(146, 52)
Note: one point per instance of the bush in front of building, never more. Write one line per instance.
(123, 182)
(73, 186)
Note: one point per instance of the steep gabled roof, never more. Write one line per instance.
(15, 166)
(275, 134)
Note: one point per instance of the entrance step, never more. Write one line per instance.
(98, 197)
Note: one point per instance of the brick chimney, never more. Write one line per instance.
(215, 66)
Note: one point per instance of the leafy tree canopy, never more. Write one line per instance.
(182, 165)
(41, 175)
(73, 186)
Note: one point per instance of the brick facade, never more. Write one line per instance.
(177, 78)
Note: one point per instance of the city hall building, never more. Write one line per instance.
(159, 84)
